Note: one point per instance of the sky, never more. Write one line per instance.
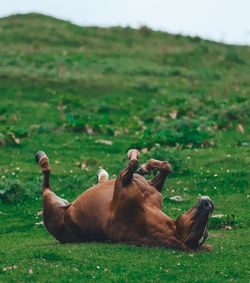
(220, 20)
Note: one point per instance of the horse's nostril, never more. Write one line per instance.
(205, 204)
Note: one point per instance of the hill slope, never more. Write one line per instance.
(86, 95)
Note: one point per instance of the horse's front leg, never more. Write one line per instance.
(164, 169)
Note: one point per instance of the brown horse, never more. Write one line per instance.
(126, 210)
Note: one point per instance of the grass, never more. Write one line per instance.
(87, 95)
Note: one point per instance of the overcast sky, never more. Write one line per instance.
(221, 20)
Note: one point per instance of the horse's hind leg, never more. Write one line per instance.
(54, 207)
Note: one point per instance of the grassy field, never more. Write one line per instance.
(87, 95)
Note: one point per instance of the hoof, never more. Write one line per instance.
(41, 158)
(102, 173)
(133, 154)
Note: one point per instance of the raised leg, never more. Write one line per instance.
(125, 177)
(54, 207)
(164, 170)
(43, 161)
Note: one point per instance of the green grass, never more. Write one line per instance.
(64, 89)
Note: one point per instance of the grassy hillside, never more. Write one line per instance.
(87, 95)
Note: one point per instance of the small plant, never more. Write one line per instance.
(13, 191)
(75, 123)
(145, 30)
(185, 132)
(233, 57)
(237, 113)
(221, 221)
